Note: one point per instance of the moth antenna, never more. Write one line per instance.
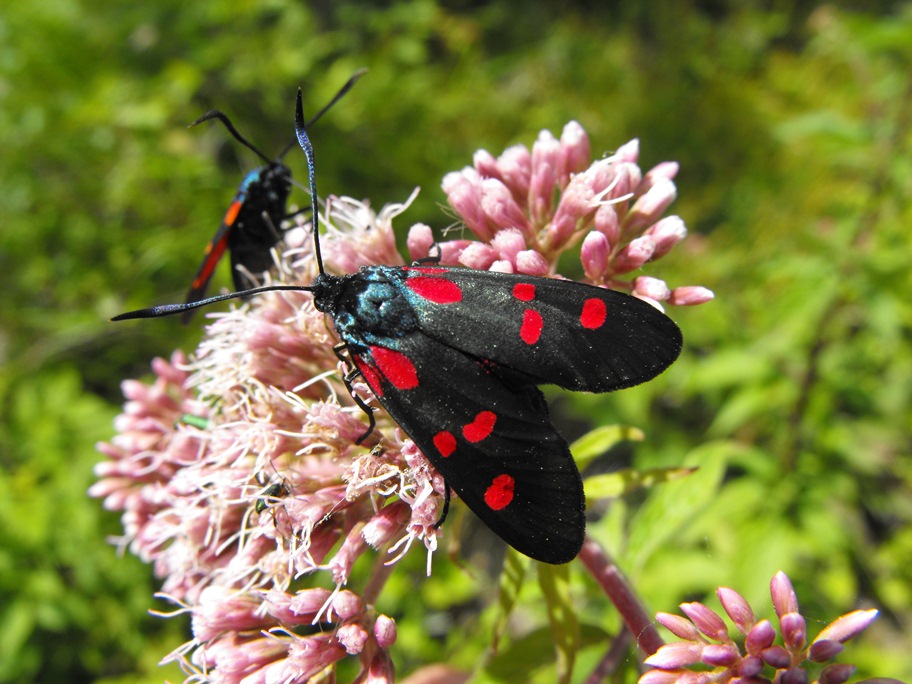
(304, 141)
(338, 96)
(171, 309)
(221, 116)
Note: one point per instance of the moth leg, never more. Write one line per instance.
(435, 259)
(446, 505)
(347, 379)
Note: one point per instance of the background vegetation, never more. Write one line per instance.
(792, 124)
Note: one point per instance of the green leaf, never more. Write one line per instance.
(596, 442)
(555, 585)
(613, 485)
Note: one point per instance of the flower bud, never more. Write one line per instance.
(634, 254)
(667, 232)
(515, 166)
(675, 655)
(706, 620)
(784, 598)
(679, 626)
(848, 626)
(420, 240)
(574, 151)
(823, 650)
(531, 262)
(352, 636)
(794, 631)
(737, 608)
(650, 207)
(720, 655)
(385, 631)
(594, 255)
(838, 674)
(777, 657)
(690, 295)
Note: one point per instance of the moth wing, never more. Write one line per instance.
(559, 332)
(489, 436)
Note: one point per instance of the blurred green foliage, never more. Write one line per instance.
(792, 125)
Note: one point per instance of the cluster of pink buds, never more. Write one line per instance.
(526, 208)
(706, 643)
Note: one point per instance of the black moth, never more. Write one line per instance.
(252, 223)
(456, 356)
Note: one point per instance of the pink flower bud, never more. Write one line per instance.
(380, 671)
(719, 655)
(531, 262)
(651, 288)
(848, 626)
(706, 620)
(840, 672)
(737, 608)
(486, 165)
(385, 631)
(823, 650)
(750, 666)
(794, 631)
(508, 243)
(501, 209)
(574, 151)
(784, 598)
(667, 232)
(347, 604)
(515, 165)
(662, 170)
(760, 637)
(777, 656)
(352, 636)
(545, 165)
(679, 626)
(388, 523)
(501, 266)
(690, 295)
(675, 655)
(650, 207)
(478, 255)
(464, 194)
(306, 603)
(660, 677)
(634, 254)
(629, 151)
(794, 675)
(420, 240)
(594, 255)
(606, 222)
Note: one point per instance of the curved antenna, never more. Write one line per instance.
(338, 96)
(304, 141)
(221, 116)
(171, 309)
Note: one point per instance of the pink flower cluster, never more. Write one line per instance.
(706, 642)
(238, 471)
(527, 207)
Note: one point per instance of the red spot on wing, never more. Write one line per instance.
(594, 313)
(525, 292)
(445, 443)
(232, 213)
(481, 427)
(500, 492)
(370, 377)
(437, 290)
(395, 367)
(532, 326)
